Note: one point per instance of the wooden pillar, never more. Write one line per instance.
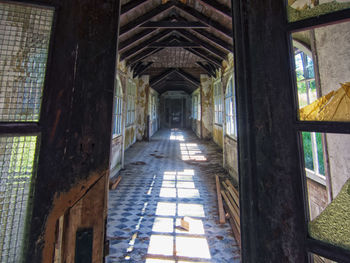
(76, 117)
(272, 210)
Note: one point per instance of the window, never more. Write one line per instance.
(153, 107)
(218, 107)
(196, 107)
(130, 115)
(24, 43)
(312, 141)
(230, 109)
(118, 109)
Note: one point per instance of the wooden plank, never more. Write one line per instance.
(174, 44)
(214, 39)
(235, 207)
(236, 194)
(235, 228)
(146, 53)
(144, 18)
(204, 55)
(220, 205)
(114, 185)
(232, 193)
(202, 43)
(137, 37)
(218, 7)
(131, 6)
(231, 209)
(207, 20)
(174, 24)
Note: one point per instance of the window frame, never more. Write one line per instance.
(231, 115)
(131, 103)
(218, 102)
(318, 247)
(117, 109)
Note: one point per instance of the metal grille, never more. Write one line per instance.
(24, 40)
(17, 155)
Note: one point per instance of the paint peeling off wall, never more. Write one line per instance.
(207, 106)
(218, 136)
(130, 138)
(142, 106)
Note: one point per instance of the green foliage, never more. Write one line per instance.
(308, 150)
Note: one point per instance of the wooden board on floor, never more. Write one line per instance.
(220, 205)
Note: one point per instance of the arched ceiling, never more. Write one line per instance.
(175, 41)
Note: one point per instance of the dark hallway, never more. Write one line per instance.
(164, 180)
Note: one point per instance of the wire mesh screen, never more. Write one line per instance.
(24, 40)
(17, 155)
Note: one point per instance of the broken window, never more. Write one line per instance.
(118, 109)
(24, 41)
(218, 105)
(230, 109)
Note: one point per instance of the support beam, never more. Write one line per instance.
(137, 37)
(144, 44)
(132, 5)
(146, 17)
(214, 39)
(218, 7)
(188, 77)
(207, 20)
(204, 55)
(144, 54)
(142, 69)
(174, 44)
(206, 68)
(202, 43)
(174, 24)
(161, 76)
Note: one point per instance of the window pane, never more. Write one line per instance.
(328, 97)
(302, 9)
(24, 40)
(16, 170)
(308, 157)
(329, 194)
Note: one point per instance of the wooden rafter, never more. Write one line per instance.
(214, 39)
(146, 17)
(188, 77)
(142, 55)
(137, 37)
(202, 43)
(131, 6)
(142, 69)
(174, 24)
(206, 68)
(137, 49)
(204, 55)
(174, 44)
(207, 20)
(218, 7)
(161, 76)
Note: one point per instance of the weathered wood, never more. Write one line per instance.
(206, 68)
(207, 20)
(142, 69)
(174, 24)
(220, 205)
(114, 185)
(146, 17)
(204, 55)
(135, 38)
(233, 194)
(142, 55)
(218, 7)
(188, 77)
(140, 47)
(202, 43)
(174, 44)
(131, 5)
(231, 209)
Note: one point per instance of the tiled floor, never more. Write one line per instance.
(164, 180)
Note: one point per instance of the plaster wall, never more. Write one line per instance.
(142, 106)
(207, 106)
(217, 135)
(333, 45)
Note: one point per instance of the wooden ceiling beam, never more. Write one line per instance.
(207, 20)
(137, 49)
(144, 54)
(202, 54)
(214, 39)
(146, 17)
(141, 69)
(131, 6)
(174, 24)
(137, 37)
(174, 44)
(188, 77)
(218, 7)
(161, 76)
(202, 43)
(206, 68)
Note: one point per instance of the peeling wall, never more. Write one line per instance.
(116, 155)
(153, 123)
(217, 135)
(142, 106)
(207, 106)
(333, 45)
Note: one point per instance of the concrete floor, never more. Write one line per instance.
(164, 180)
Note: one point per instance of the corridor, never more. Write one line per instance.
(164, 180)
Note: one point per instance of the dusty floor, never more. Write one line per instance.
(164, 180)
